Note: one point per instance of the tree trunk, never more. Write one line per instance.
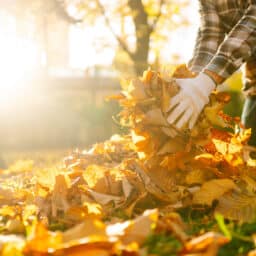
(143, 31)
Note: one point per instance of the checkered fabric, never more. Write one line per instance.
(226, 39)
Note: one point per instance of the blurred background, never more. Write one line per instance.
(60, 58)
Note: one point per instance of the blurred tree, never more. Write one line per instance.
(151, 21)
(138, 26)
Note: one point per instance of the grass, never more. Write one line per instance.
(241, 236)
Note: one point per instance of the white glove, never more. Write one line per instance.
(189, 102)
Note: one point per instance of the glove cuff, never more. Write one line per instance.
(204, 84)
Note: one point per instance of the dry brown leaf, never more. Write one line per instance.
(135, 230)
(59, 194)
(91, 229)
(250, 183)
(105, 199)
(203, 242)
(169, 131)
(157, 187)
(136, 90)
(237, 206)
(172, 146)
(145, 164)
(212, 190)
(88, 251)
(155, 117)
(127, 187)
(172, 222)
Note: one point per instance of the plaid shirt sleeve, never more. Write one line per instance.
(238, 46)
(209, 37)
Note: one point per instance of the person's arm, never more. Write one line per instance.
(209, 37)
(186, 106)
(237, 48)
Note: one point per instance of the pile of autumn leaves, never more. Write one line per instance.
(149, 168)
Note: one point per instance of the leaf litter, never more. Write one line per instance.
(109, 199)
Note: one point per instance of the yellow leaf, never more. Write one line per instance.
(22, 166)
(15, 226)
(136, 90)
(11, 244)
(80, 213)
(147, 76)
(252, 253)
(41, 240)
(235, 82)
(7, 210)
(211, 113)
(197, 176)
(227, 148)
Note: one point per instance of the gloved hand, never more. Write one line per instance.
(189, 102)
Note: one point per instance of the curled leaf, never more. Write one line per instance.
(208, 240)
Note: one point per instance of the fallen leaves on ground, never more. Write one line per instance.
(96, 204)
